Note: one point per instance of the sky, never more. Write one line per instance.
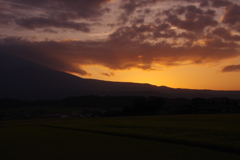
(192, 44)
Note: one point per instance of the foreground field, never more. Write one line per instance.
(153, 137)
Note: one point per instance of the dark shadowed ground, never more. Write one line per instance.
(151, 137)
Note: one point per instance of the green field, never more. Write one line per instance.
(143, 137)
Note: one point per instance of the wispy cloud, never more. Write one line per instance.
(108, 74)
(231, 68)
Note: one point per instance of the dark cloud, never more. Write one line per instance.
(231, 14)
(129, 6)
(117, 53)
(48, 30)
(147, 11)
(220, 3)
(222, 32)
(190, 24)
(163, 31)
(193, 9)
(158, 21)
(225, 34)
(6, 19)
(219, 43)
(13, 40)
(166, 34)
(108, 74)
(210, 12)
(189, 35)
(180, 10)
(33, 23)
(195, 18)
(163, 26)
(236, 28)
(139, 20)
(113, 24)
(49, 53)
(132, 33)
(144, 32)
(32, 14)
(204, 3)
(123, 18)
(70, 9)
(231, 68)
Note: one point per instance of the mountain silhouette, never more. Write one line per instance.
(21, 79)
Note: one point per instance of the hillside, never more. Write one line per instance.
(21, 79)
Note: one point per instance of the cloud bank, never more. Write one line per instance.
(146, 34)
(231, 68)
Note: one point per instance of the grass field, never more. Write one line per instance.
(147, 137)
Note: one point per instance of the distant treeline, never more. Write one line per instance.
(135, 105)
(91, 101)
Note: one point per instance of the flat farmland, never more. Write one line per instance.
(146, 137)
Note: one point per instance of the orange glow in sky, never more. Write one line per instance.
(180, 44)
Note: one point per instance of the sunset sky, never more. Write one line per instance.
(191, 44)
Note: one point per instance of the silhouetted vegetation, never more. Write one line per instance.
(95, 106)
(144, 105)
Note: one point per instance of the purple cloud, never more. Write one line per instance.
(33, 23)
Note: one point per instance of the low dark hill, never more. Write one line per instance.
(21, 79)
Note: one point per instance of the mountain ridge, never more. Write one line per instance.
(21, 79)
